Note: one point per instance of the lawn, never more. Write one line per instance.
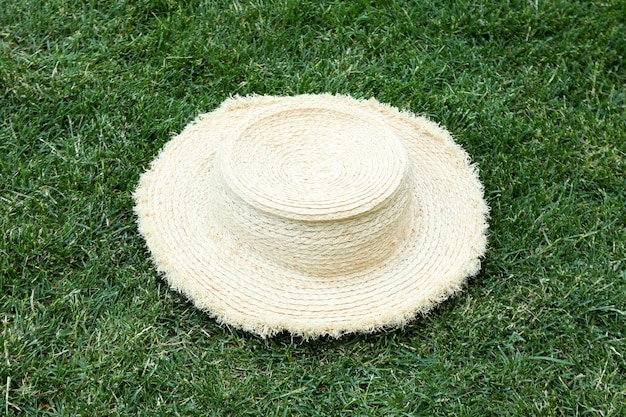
(535, 91)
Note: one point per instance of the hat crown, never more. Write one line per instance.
(314, 189)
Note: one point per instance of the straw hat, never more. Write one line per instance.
(314, 214)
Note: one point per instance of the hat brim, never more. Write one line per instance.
(226, 278)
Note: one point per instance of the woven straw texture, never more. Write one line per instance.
(314, 214)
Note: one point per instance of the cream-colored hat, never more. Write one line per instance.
(314, 214)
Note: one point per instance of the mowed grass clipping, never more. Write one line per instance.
(91, 90)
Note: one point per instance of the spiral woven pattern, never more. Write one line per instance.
(314, 214)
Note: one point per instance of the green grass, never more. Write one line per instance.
(91, 90)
